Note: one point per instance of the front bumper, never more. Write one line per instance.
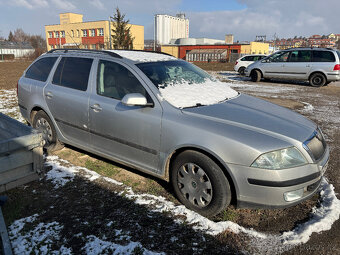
(261, 188)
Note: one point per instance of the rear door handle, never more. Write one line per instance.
(96, 108)
(49, 95)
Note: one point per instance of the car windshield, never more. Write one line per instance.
(184, 85)
(163, 73)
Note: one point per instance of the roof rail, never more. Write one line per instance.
(151, 51)
(65, 50)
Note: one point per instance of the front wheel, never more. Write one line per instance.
(255, 76)
(199, 183)
(43, 123)
(317, 80)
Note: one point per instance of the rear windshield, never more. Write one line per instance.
(338, 52)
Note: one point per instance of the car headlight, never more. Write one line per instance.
(280, 159)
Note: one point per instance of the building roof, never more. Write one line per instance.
(15, 45)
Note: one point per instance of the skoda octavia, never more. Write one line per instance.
(170, 119)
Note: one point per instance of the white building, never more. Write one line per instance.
(19, 50)
(169, 27)
(196, 41)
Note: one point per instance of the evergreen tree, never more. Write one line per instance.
(121, 38)
(11, 36)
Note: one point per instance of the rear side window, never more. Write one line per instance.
(323, 56)
(41, 69)
(73, 73)
(248, 58)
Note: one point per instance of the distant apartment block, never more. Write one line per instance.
(72, 32)
(170, 27)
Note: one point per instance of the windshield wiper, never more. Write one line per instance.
(194, 106)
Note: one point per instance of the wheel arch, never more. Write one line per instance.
(317, 71)
(226, 171)
(257, 69)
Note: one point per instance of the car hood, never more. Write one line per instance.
(258, 115)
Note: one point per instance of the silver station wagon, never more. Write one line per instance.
(170, 119)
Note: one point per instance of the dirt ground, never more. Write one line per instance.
(95, 202)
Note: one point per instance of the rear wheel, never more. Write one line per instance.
(317, 80)
(241, 70)
(255, 76)
(199, 183)
(44, 124)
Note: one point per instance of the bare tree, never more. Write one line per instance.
(20, 36)
(121, 38)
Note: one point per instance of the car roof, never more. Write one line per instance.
(136, 56)
(309, 48)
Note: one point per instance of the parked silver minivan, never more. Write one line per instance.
(170, 119)
(319, 66)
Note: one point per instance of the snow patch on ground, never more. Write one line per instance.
(186, 95)
(140, 56)
(9, 104)
(95, 246)
(321, 218)
(38, 240)
(307, 107)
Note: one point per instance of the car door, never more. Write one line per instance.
(298, 65)
(273, 67)
(130, 134)
(67, 97)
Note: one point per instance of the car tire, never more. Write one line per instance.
(255, 76)
(241, 70)
(317, 80)
(199, 183)
(43, 123)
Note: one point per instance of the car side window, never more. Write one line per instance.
(73, 72)
(283, 57)
(323, 56)
(41, 69)
(300, 56)
(115, 81)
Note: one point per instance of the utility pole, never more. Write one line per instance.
(110, 33)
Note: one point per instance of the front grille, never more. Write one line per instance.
(316, 145)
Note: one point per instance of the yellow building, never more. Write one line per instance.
(72, 32)
(255, 48)
(169, 49)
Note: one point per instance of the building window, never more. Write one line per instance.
(52, 46)
(84, 33)
(63, 34)
(50, 34)
(93, 46)
(86, 46)
(72, 33)
(56, 34)
(93, 32)
(101, 32)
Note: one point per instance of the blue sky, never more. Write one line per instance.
(208, 18)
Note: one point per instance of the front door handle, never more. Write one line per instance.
(96, 108)
(49, 95)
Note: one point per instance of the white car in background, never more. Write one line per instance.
(242, 63)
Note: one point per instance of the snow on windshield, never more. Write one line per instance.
(187, 94)
(140, 56)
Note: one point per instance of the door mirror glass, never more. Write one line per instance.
(135, 99)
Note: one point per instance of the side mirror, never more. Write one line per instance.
(136, 99)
